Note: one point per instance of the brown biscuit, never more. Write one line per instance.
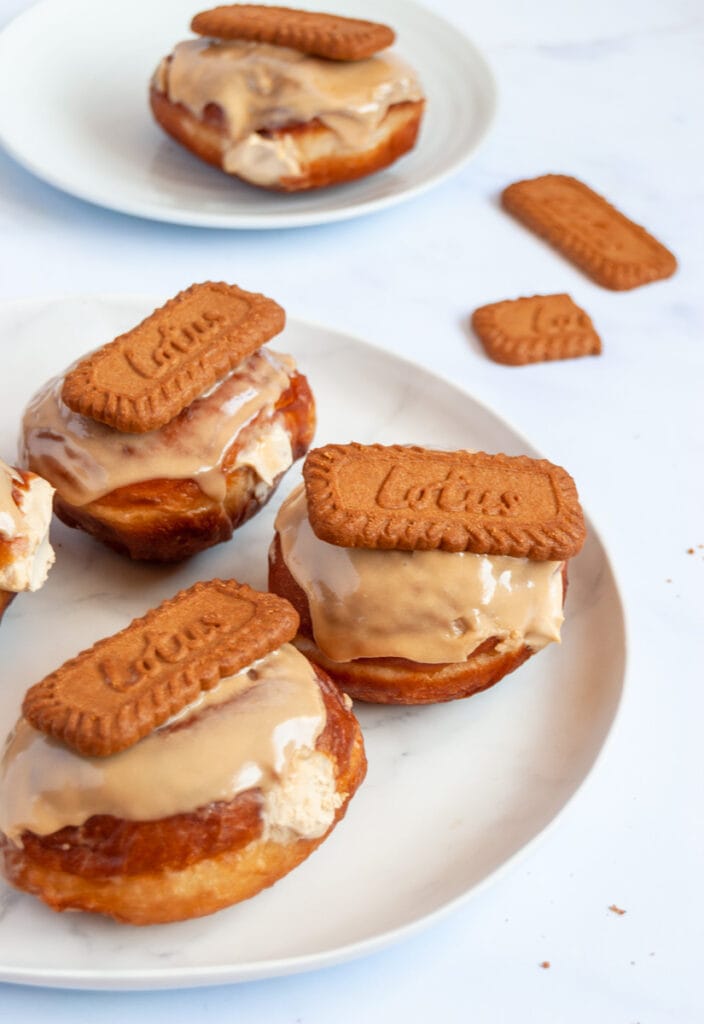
(146, 377)
(415, 499)
(321, 35)
(544, 327)
(606, 245)
(118, 691)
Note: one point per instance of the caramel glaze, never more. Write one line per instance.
(105, 846)
(167, 520)
(397, 680)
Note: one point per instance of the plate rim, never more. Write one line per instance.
(248, 222)
(173, 978)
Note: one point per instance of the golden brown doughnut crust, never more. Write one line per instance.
(321, 162)
(168, 520)
(396, 680)
(184, 866)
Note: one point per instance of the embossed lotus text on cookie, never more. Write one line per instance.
(118, 691)
(321, 35)
(146, 377)
(534, 330)
(415, 499)
(613, 250)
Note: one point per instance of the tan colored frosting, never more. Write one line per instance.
(256, 729)
(260, 87)
(85, 459)
(426, 606)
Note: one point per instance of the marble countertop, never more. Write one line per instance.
(612, 92)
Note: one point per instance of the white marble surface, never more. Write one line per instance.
(611, 92)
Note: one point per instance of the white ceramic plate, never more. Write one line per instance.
(75, 74)
(453, 792)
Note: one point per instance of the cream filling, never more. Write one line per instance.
(85, 459)
(261, 87)
(426, 606)
(25, 514)
(256, 729)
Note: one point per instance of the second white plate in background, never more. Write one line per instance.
(75, 74)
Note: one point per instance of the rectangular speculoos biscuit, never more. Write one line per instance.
(321, 35)
(613, 250)
(146, 377)
(110, 696)
(414, 499)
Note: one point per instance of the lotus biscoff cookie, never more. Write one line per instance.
(537, 329)
(321, 35)
(611, 249)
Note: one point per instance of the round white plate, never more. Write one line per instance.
(75, 75)
(453, 792)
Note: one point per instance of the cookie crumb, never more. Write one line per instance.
(668, 580)
(616, 910)
(690, 551)
(544, 964)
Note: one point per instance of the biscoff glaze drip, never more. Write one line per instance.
(256, 729)
(260, 87)
(435, 607)
(85, 459)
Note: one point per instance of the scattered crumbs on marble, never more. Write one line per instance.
(616, 910)
(544, 964)
(668, 580)
(690, 551)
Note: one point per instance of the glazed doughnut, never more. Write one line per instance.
(164, 489)
(184, 866)
(283, 119)
(422, 576)
(25, 552)
(105, 850)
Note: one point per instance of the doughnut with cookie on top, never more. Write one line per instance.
(422, 575)
(179, 766)
(168, 438)
(288, 99)
(25, 514)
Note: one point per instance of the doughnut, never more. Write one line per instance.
(237, 787)
(282, 110)
(166, 492)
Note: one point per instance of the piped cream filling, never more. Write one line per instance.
(25, 514)
(426, 606)
(260, 88)
(85, 460)
(254, 730)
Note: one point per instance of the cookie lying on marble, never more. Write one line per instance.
(246, 756)
(534, 330)
(165, 440)
(611, 249)
(286, 99)
(25, 514)
(422, 576)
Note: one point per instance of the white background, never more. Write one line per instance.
(611, 91)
